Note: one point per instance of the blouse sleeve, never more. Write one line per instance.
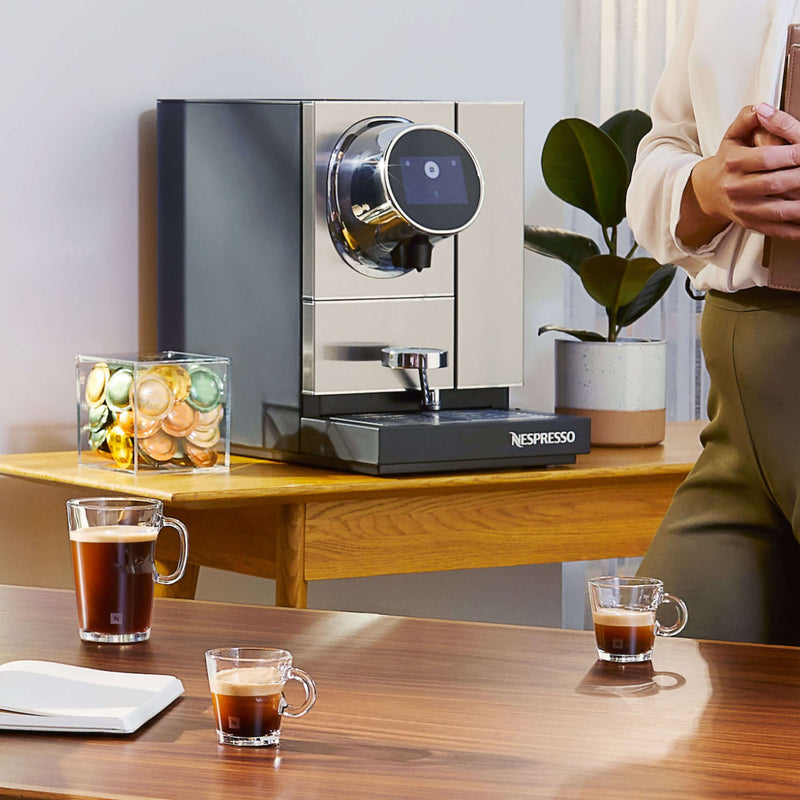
(665, 159)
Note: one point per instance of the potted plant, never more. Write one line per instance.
(597, 374)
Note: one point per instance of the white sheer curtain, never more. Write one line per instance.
(615, 53)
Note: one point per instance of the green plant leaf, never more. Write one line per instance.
(584, 167)
(627, 129)
(571, 248)
(655, 288)
(584, 336)
(614, 281)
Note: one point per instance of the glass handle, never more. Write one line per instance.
(183, 535)
(310, 690)
(683, 616)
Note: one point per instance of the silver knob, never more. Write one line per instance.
(419, 358)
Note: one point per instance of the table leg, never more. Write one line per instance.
(291, 588)
(185, 587)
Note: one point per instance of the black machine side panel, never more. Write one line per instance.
(230, 253)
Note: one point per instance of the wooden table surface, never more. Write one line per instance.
(420, 709)
(297, 524)
(255, 480)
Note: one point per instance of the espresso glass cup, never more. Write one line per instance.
(624, 616)
(247, 693)
(113, 541)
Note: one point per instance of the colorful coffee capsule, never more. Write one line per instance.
(207, 419)
(96, 383)
(204, 437)
(206, 391)
(145, 461)
(151, 396)
(118, 389)
(177, 378)
(180, 458)
(137, 425)
(159, 446)
(120, 445)
(201, 457)
(97, 438)
(99, 417)
(181, 421)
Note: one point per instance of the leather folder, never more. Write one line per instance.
(782, 256)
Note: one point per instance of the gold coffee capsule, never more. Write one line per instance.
(177, 379)
(118, 389)
(180, 421)
(206, 391)
(159, 446)
(120, 445)
(200, 456)
(151, 396)
(96, 384)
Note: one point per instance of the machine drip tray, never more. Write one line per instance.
(438, 441)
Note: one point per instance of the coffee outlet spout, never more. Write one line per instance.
(414, 253)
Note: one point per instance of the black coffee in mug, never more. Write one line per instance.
(113, 542)
(114, 578)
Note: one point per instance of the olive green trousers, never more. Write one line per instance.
(728, 544)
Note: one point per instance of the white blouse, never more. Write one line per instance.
(727, 54)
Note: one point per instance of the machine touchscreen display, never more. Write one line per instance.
(431, 180)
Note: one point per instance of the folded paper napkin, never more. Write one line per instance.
(47, 696)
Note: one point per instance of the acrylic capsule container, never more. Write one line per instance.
(160, 412)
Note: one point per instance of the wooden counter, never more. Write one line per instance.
(298, 524)
(422, 709)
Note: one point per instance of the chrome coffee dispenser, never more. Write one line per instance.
(361, 264)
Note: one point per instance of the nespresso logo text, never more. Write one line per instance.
(542, 437)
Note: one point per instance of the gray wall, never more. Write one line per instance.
(79, 84)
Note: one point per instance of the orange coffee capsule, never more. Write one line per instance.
(159, 446)
(180, 421)
(201, 457)
(140, 426)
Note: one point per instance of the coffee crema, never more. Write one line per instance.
(114, 568)
(624, 631)
(248, 700)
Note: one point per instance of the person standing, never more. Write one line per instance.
(718, 172)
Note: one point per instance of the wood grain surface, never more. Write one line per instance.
(295, 524)
(251, 480)
(420, 709)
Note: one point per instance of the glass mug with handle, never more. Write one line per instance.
(246, 686)
(113, 542)
(624, 616)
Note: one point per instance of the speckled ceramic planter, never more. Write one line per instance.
(619, 385)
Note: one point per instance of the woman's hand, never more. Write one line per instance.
(753, 180)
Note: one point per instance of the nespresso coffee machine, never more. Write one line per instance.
(361, 264)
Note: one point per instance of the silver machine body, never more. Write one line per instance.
(361, 263)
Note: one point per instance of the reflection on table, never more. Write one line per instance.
(422, 709)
